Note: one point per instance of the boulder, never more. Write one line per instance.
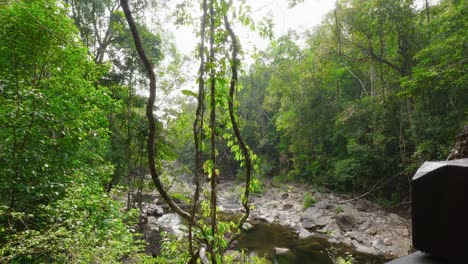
(345, 221)
(247, 226)
(154, 210)
(171, 224)
(287, 207)
(304, 233)
(149, 197)
(288, 219)
(325, 205)
(281, 251)
(311, 213)
(379, 244)
(152, 236)
(313, 217)
(308, 224)
(364, 205)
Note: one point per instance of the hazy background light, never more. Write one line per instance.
(300, 18)
(305, 16)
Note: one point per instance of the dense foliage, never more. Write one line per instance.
(378, 88)
(54, 138)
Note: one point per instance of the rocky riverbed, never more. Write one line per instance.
(360, 224)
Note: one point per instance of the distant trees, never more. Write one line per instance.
(366, 101)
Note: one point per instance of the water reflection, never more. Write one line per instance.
(263, 238)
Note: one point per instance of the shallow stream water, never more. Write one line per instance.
(263, 238)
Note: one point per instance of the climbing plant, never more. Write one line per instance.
(216, 95)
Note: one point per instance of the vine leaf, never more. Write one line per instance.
(189, 93)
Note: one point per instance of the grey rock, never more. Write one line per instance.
(311, 213)
(152, 236)
(321, 222)
(149, 197)
(364, 205)
(325, 204)
(355, 243)
(345, 221)
(171, 224)
(247, 226)
(155, 210)
(365, 250)
(395, 217)
(358, 236)
(367, 224)
(379, 244)
(308, 224)
(403, 232)
(281, 251)
(388, 241)
(304, 233)
(400, 247)
(371, 231)
(361, 248)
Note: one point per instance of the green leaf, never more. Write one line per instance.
(189, 93)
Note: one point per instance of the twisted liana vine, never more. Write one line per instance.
(208, 237)
(149, 112)
(198, 128)
(245, 150)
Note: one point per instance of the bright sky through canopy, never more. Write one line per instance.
(304, 16)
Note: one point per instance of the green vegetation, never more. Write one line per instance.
(339, 209)
(54, 139)
(309, 200)
(378, 88)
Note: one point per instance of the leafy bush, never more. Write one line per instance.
(309, 200)
(85, 226)
(339, 209)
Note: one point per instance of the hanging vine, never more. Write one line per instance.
(210, 236)
(149, 111)
(198, 127)
(245, 150)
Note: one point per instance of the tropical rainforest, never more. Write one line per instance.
(354, 105)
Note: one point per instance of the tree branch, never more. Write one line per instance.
(371, 53)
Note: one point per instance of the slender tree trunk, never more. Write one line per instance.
(381, 73)
(213, 180)
(428, 17)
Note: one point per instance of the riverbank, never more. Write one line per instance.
(360, 224)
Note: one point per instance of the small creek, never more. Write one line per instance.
(263, 238)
